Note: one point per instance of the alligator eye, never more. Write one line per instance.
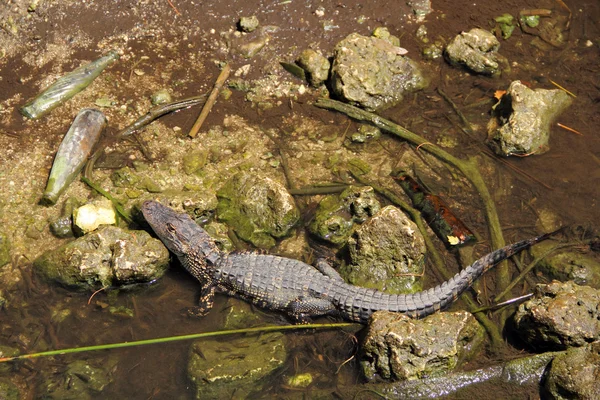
(170, 227)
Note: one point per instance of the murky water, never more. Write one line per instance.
(177, 46)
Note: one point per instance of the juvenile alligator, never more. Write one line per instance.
(294, 287)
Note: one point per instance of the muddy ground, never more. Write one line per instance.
(179, 46)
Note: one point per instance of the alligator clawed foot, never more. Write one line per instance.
(195, 312)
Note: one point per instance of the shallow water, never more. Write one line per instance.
(181, 49)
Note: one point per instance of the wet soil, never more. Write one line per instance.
(178, 46)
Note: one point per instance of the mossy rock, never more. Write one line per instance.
(107, 257)
(258, 208)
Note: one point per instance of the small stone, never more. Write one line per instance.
(161, 96)
(383, 33)
(104, 102)
(477, 50)
(150, 185)
(300, 380)
(90, 216)
(248, 24)
(194, 161)
(365, 133)
(315, 65)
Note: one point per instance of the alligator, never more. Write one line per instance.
(294, 287)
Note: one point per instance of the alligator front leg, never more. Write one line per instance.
(205, 303)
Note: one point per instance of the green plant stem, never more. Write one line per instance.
(469, 169)
(260, 329)
(532, 265)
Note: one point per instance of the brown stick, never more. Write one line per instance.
(212, 98)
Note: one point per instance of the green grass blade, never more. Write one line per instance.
(261, 329)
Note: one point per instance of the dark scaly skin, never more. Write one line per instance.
(294, 287)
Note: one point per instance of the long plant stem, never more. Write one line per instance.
(469, 169)
(262, 329)
(532, 265)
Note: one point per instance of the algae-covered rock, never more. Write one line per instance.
(477, 50)
(387, 253)
(567, 265)
(366, 132)
(108, 257)
(401, 348)
(315, 65)
(521, 121)
(79, 381)
(560, 315)
(195, 160)
(373, 73)
(336, 215)
(125, 177)
(258, 208)
(232, 369)
(575, 374)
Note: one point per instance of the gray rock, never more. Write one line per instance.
(560, 315)
(258, 208)
(476, 50)
(401, 348)
(575, 374)
(521, 121)
(566, 265)
(107, 257)
(387, 253)
(315, 65)
(336, 216)
(372, 73)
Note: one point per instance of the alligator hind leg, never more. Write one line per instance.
(326, 269)
(205, 303)
(305, 307)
